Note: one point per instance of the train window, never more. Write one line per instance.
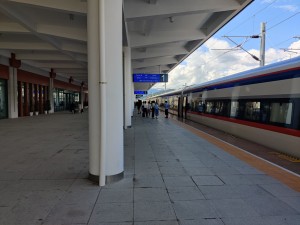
(252, 111)
(210, 108)
(281, 112)
(175, 103)
(201, 106)
(265, 111)
(234, 109)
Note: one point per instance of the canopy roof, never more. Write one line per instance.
(52, 34)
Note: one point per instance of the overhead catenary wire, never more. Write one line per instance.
(246, 20)
(295, 14)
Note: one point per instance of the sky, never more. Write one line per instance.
(282, 19)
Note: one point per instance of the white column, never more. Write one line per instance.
(13, 93)
(51, 89)
(114, 76)
(81, 96)
(93, 83)
(127, 87)
(132, 98)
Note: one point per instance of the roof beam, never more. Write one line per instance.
(26, 46)
(158, 52)
(138, 10)
(138, 40)
(74, 6)
(32, 27)
(153, 62)
(12, 27)
(63, 31)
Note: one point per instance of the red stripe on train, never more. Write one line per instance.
(282, 130)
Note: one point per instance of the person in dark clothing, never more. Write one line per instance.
(139, 105)
(167, 106)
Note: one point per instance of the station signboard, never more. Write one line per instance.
(140, 92)
(150, 78)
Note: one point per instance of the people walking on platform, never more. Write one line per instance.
(144, 109)
(156, 110)
(152, 109)
(139, 105)
(167, 106)
(148, 108)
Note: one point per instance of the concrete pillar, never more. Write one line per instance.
(13, 93)
(106, 147)
(94, 89)
(132, 99)
(114, 76)
(82, 95)
(127, 87)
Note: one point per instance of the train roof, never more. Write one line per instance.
(268, 69)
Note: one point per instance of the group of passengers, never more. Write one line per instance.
(152, 108)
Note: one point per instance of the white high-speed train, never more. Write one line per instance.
(261, 105)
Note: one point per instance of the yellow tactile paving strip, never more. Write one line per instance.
(282, 175)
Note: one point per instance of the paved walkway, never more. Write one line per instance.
(172, 177)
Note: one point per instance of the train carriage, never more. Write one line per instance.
(261, 105)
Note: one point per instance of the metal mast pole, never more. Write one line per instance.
(263, 44)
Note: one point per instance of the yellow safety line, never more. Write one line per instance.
(291, 180)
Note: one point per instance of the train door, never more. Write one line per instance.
(184, 107)
(179, 107)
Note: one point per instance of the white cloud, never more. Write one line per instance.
(206, 64)
(290, 8)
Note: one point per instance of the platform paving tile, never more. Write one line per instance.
(115, 195)
(280, 190)
(151, 195)
(219, 192)
(148, 182)
(236, 179)
(147, 211)
(250, 191)
(207, 221)
(98, 223)
(207, 180)
(199, 171)
(185, 193)
(179, 181)
(172, 171)
(270, 206)
(195, 209)
(294, 202)
(112, 212)
(69, 214)
(265, 220)
(161, 222)
(233, 208)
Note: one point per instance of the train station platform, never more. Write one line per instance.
(174, 175)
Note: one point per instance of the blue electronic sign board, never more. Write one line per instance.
(150, 78)
(140, 92)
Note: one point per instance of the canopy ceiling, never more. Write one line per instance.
(52, 34)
